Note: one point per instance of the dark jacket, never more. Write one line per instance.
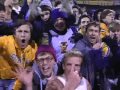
(40, 27)
(6, 28)
(93, 60)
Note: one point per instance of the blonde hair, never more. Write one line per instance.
(72, 53)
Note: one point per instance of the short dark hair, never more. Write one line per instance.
(79, 9)
(45, 8)
(84, 16)
(94, 23)
(57, 3)
(2, 7)
(20, 22)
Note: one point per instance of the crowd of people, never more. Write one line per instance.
(57, 45)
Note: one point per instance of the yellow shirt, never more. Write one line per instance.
(10, 53)
(104, 30)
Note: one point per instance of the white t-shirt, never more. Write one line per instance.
(82, 86)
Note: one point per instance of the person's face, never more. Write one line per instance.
(109, 18)
(46, 63)
(60, 24)
(75, 11)
(115, 34)
(23, 35)
(93, 34)
(83, 9)
(45, 15)
(84, 22)
(2, 16)
(72, 63)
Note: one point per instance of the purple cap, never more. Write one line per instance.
(46, 48)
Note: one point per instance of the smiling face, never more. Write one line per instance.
(22, 35)
(93, 34)
(84, 22)
(46, 63)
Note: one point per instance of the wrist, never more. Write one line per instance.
(68, 87)
(28, 86)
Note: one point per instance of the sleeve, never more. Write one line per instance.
(80, 46)
(3, 41)
(99, 61)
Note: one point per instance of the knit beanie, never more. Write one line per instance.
(46, 48)
(57, 13)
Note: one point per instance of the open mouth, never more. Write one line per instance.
(92, 37)
(45, 69)
(23, 40)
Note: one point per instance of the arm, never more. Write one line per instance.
(100, 55)
(81, 47)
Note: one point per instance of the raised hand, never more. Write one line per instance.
(73, 79)
(25, 75)
(98, 45)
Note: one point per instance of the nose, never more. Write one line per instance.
(86, 23)
(93, 32)
(45, 17)
(72, 68)
(23, 34)
(45, 62)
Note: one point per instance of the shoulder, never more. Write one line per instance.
(80, 44)
(6, 38)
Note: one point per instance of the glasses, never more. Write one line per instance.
(47, 59)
